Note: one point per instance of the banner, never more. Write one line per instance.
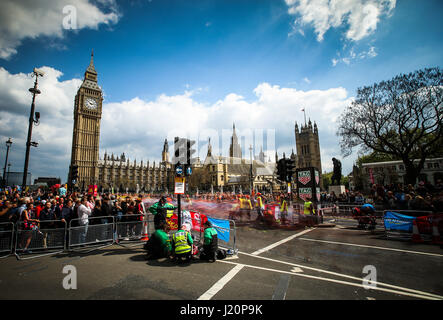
(304, 193)
(304, 177)
(397, 221)
(92, 190)
(371, 176)
(222, 227)
(193, 219)
(179, 185)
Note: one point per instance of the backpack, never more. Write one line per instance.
(221, 254)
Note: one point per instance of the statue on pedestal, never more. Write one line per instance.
(336, 176)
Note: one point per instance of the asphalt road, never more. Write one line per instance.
(272, 264)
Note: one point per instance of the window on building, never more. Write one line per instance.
(436, 165)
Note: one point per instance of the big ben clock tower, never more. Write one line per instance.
(86, 133)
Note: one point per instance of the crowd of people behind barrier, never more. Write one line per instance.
(58, 207)
(43, 210)
(423, 197)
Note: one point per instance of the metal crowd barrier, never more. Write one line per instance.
(129, 227)
(55, 236)
(346, 211)
(231, 244)
(45, 236)
(6, 238)
(95, 231)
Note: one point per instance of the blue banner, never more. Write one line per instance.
(222, 227)
(397, 221)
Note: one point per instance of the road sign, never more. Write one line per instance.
(179, 170)
(179, 185)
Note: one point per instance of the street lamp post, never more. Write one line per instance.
(34, 92)
(252, 184)
(7, 177)
(8, 145)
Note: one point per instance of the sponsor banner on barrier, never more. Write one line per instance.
(222, 227)
(194, 219)
(397, 221)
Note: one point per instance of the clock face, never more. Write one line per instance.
(91, 104)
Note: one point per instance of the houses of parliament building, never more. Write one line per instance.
(119, 173)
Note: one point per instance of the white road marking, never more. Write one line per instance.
(296, 270)
(220, 283)
(281, 242)
(428, 297)
(346, 276)
(373, 247)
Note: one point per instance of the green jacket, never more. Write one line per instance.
(209, 232)
(164, 240)
(155, 208)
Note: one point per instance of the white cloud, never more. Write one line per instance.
(305, 79)
(32, 19)
(352, 56)
(138, 127)
(359, 16)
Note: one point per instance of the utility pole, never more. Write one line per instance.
(34, 92)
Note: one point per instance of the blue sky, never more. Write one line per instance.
(205, 51)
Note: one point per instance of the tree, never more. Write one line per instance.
(401, 118)
(199, 178)
(327, 180)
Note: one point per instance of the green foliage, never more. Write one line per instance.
(326, 177)
(401, 118)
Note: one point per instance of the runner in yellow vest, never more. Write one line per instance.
(284, 211)
(245, 207)
(259, 206)
(309, 212)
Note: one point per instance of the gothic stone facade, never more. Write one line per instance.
(118, 173)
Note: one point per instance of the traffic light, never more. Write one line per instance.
(189, 152)
(290, 169)
(281, 169)
(183, 152)
(74, 173)
(179, 151)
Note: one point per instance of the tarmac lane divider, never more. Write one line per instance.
(372, 247)
(276, 244)
(298, 268)
(400, 291)
(223, 281)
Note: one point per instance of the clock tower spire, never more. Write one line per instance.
(86, 133)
